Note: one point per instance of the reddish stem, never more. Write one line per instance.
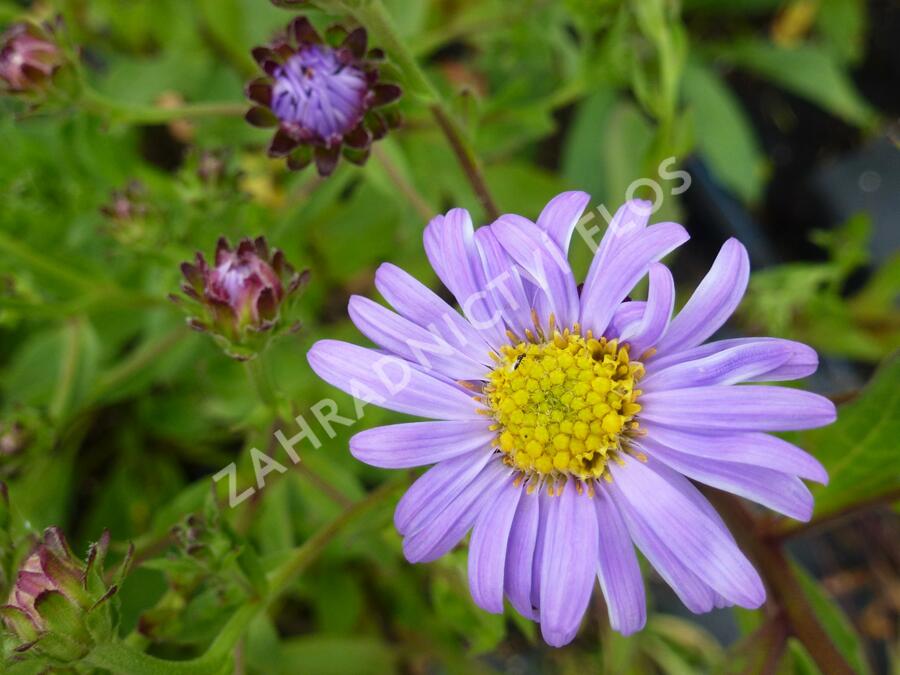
(783, 584)
(466, 160)
(786, 529)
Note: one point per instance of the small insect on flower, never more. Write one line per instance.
(322, 96)
(29, 56)
(240, 296)
(567, 424)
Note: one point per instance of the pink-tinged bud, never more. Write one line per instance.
(241, 293)
(126, 213)
(29, 55)
(212, 167)
(127, 204)
(51, 567)
(56, 606)
(13, 438)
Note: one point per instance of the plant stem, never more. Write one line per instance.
(130, 113)
(67, 369)
(261, 379)
(120, 657)
(786, 529)
(310, 549)
(467, 159)
(408, 189)
(784, 587)
(136, 361)
(373, 15)
(37, 261)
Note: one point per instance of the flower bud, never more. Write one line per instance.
(241, 294)
(57, 607)
(29, 56)
(321, 95)
(13, 438)
(126, 213)
(126, 204)
(211, 167)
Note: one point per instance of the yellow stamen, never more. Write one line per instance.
(564, 406)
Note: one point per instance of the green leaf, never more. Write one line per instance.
(836, 625)
(55, 369)
(626, 140)
(859, 450)
(843, 25)
(582, 148)
(680, 646)
(62, 617)
(326, 655)
(807, 70)
(723, 132)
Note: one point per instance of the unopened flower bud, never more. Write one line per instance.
(13, 438)
(29, 56)
(241, 294)
(56, 607)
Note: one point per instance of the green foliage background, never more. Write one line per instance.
(128, 413)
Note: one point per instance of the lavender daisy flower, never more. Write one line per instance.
(566, 424)
(321, 96)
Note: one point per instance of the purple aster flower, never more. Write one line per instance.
(241, 294)
(566, 424)
(321, 96)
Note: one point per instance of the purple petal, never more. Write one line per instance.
(488, 548)
(626, 318)
(389, 382)
(738, 408)
(699, 541)
(624, 270)
(696, 595)
(756, 449)
(417, 345)
(568, 564)
(559, 217)
(657, 312)
(544, 262)
(444, 531)
(435, 489)
(618, 570)
(510, 293)
(400, 446)
(803, 360)
(517, 579)
(627, 223)
(730, 366)
(715, 299)
(779, 491)
(421, 305)
(545, 501)
(450, 247)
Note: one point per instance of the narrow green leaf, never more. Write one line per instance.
(835, 623)
(860, 449)
(806, 70)
(723, 132)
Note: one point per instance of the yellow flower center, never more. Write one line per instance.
(563, 406)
